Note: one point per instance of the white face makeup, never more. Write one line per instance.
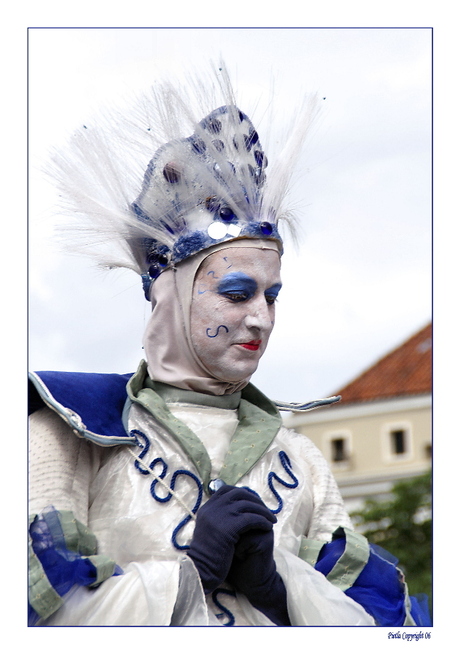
(233, 310)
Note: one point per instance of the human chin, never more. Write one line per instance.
(233, 363)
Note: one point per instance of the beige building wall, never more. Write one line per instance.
(371, 445)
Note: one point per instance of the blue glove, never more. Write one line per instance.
(253, 573)
(226, 516)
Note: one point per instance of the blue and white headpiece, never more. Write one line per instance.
(207, 183)
(205, 189)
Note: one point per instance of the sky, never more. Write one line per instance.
(359, 282)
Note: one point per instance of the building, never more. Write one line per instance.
(380, 432)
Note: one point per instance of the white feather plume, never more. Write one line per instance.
(102, 171)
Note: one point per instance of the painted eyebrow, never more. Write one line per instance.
(237, 281)
(273, 290)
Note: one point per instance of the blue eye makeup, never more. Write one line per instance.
(272, 293)
(237, 286)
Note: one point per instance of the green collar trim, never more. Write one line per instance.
(140, 393)
(42, 596)
(310, 549)
(349, 565)
(259, 422)
(172, 394)
(353, 560)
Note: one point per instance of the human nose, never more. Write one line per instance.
(259, 316)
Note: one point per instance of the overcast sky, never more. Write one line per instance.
(360, 282)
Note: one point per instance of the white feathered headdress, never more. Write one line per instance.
(158, 183)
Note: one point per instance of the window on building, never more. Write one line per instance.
(338, 450)
(398, 441)
(428, 451)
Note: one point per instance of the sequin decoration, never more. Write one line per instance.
(226, 214)
(154, 271)
(266, 228)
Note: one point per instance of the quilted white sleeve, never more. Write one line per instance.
(61, 466)
(328, 508)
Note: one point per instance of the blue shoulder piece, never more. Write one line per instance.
(372, 580)
(90, 403)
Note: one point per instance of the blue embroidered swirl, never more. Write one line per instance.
(229, 614)
(285, 462)
(144, 442)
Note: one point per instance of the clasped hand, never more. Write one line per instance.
(233, 540)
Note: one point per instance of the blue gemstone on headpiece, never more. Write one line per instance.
(163, 260)
(266, 228)
(154, 271)
(226, 214)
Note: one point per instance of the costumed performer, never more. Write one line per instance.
(175, 496)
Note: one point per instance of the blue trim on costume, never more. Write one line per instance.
(162, 475)
(379, 588)
(172, 485)
(197, 505)
(91, 403)
(228, 613)
(63, 568)
(136, 433)
(286, 463)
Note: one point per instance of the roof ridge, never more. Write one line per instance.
(404, 370)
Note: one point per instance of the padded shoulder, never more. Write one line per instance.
(91, 403)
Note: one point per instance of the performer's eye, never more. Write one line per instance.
(237, 287)
(271, 294)
(236, 296)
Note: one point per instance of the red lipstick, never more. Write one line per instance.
(252, 345)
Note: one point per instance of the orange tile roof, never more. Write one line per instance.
(407, 370)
